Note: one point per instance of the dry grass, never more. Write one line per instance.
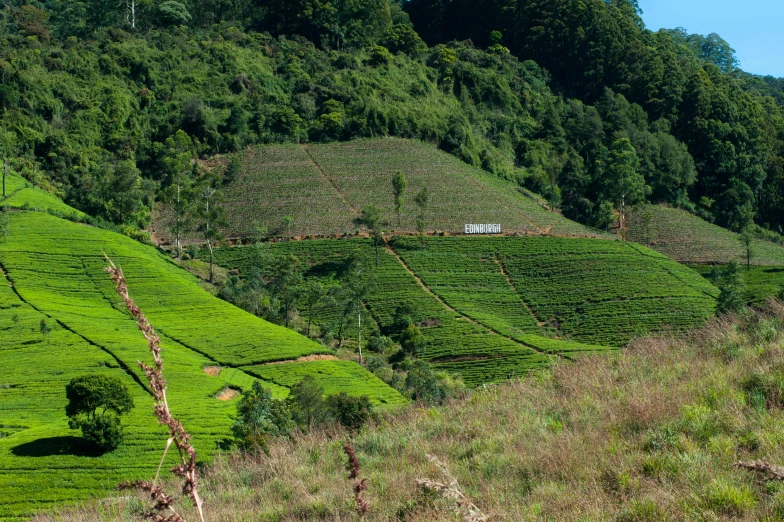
(652, 434)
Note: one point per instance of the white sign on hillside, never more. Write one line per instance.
(482, 229)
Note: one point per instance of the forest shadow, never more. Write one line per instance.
(52, 446)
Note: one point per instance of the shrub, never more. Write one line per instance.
(351, 412)
(95, 403)
(104, 432)
(260, 418)
(380, 55)
(412, 341)
(732, 287)
(307, 403)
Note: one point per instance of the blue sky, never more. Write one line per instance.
(752, 27)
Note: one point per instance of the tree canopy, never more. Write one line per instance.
(104, 105)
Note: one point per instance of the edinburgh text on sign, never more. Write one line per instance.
(483, 229)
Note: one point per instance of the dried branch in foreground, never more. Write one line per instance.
(771, 471)
(462, 505)
(186, 470)
(360, 485)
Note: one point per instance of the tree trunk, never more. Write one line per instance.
(376, 242)
(177, 223)
(209, 246)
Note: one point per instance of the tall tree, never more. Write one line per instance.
(313, 299)
(398, 189)
(746, 239)
(370, 218)
(210, 217)
(359, 283)
(285, 284)
(422, 200)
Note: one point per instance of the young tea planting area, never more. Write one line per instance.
(53, 271)
(690, 240)
(493, 308)
(293, 190)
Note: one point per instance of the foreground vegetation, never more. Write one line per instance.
(651, 434)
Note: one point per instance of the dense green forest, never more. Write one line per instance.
(107, 103)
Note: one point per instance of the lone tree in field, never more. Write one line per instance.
(95, 404)
(359, 284)
(746, 239)
(422, 199)
(370, 218)
(210, 216)
(732, 288)
(312, 300)
(45, 330)
(398, 189)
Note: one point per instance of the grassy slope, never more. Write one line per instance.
(321, 187)
(688, 239)
(21, 193)
(651, 435)
(486, 297)
(55, 267)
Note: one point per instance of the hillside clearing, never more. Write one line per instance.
(688, 239)
(322, 188)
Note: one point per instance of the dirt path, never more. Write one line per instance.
(461, 314)
(331, 181)
(308, 358)
(522, 301)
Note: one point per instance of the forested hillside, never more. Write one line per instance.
(106, 103)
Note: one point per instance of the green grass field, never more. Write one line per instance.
(21, 193)
(321, 187)
(53, 270)
(493, 308)
(690, 240)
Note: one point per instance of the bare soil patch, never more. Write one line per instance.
(212, 371)
(309, 358)
(227, 394)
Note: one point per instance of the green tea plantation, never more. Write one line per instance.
(52, 271)
(494, 308)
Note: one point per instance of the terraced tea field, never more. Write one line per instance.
(688, 239)
(53, 270)
(492, 308)
(322, 187)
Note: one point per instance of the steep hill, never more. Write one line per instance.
(52, 271)
(691, 240)
(322, 188)
(493, 308)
